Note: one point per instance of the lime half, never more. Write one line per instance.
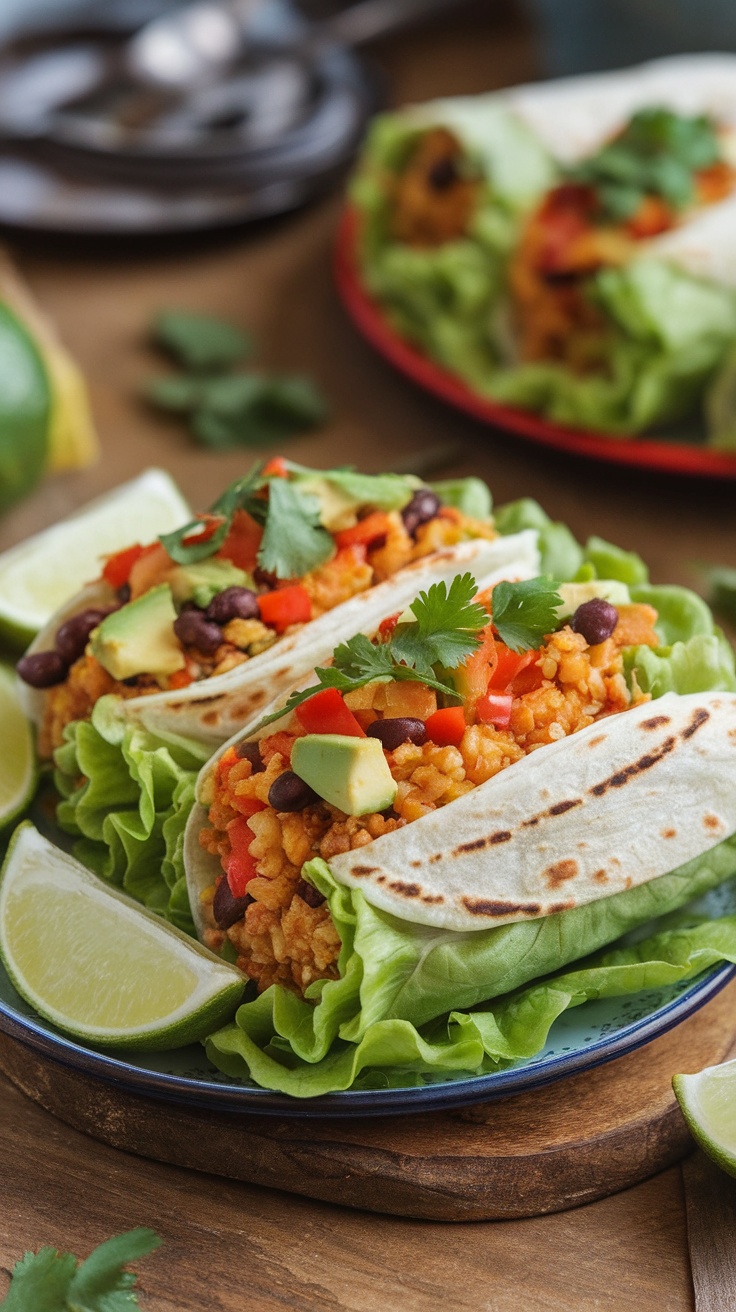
(42, 573)
(18, 769)
(99, 966)
(708, 1102)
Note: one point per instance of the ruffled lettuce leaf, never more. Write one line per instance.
(402, 1005)
(126, 795)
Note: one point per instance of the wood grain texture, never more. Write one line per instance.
(231, 1247)
(710, 1197)
(570, 1143)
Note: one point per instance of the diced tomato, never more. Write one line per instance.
(242, 542)
(527, 680)
(446, 727)
(471, 680)
(239, 865)
(387, 626)
(180, 679)
(495, 709)
(285, 606)
(564, 217)
(275, 468)
(367, 531)
(326, 712)
(208, 526)
(508, 664)
(117, 568)
(248, 806)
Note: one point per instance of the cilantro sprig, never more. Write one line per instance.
(657, 154)
(444, 633)
(51, 1281)
(293, 540)
(524, 613)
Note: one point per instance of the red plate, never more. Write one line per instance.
(675, 457)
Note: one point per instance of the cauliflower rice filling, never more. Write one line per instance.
(286, 934)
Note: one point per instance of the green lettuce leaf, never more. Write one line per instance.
(126, 795)
(561, 555)
(402, 1001)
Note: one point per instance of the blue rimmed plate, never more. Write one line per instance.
(583, 1038)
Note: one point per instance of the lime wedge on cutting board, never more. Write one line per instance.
(708, 1102)
(25, 408)
(99, 966)
(18, 768)
(40, 574)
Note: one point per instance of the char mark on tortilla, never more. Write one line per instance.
(364, 870)
(698, 718)
(406, 890)
(656, 722)
(480, 907)
(560, 872)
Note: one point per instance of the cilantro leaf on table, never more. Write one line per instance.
(446, 627)
(50, 1281)
(294, 541)
(200, 342)
(524, 613)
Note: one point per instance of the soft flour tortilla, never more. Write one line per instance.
(620, 803)
(216, 708)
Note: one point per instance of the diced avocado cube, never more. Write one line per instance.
(350, 773)
(576, 594)
(139, 638)
(202, 580)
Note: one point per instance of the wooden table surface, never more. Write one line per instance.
(230, 1246)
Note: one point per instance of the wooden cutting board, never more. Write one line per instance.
(576, 1140)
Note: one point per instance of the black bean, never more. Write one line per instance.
(290, 793)
(227, 909)
(251, 752)
(123, 594)
(423, 506)
(193, 630)
(442, 174)
(309, 894)
(42, 669)
(391, 733)
(595, 620)
(233, 604)
(71, 636)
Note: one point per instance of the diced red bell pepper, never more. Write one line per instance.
(495, 709)
(387, 626)
(508, 664)
(367, 531)
(239, 865)
(242, 542)
(117, 568)
(275, 468)
(285, 606)
(447, 726)
(527, 680)
(326, 712)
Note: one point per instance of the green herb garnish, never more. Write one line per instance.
(293, 539)
(226, 409)
(657, 154)
(50, 1281)
(524, 613)
(444, 633)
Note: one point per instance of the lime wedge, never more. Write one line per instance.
(99, 966)
(25, 408)
(18, 769)
(42, 573)
(708, 1102)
